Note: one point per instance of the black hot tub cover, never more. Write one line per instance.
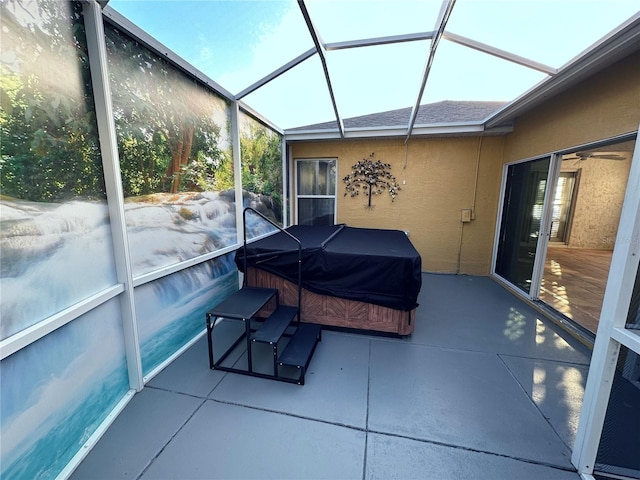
(368, 265)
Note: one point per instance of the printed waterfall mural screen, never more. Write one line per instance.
(54, 217)
(56, 391)
(175, 158)
(174, 140)
(55, 243)
(262, 181)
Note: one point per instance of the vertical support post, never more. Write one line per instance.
(111, 165)
(292, 187)
(615, 308)
(210, 326)
(237, 174)
(285, 196)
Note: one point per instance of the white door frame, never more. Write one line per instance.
(611, 327)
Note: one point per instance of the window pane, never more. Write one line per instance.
(316, 177)
(327, 180)
(306, 177)
(316, 211)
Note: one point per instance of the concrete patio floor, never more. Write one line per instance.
(485, 388)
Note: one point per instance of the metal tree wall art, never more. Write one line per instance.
(371, 178)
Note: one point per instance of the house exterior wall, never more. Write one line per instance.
(606, 105)
(438, 177)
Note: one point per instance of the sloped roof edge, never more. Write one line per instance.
(400, 131)
(497, 120)
(441, 113)
(617, 45)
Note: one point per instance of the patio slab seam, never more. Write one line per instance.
(153, 459)
(535, 405)
(178, 392)
(550, 360)
(286, 414)
(409, 342)
(474, 450)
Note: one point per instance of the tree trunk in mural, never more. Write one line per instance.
(180, 141)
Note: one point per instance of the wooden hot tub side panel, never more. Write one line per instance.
(334, 311)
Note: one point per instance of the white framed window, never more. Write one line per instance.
(316, 185)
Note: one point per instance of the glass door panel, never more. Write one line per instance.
(521, 217)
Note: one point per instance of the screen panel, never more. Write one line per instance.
(61, 388)
(262, 184)
(619, 449)
(171, 311)
(55, 239)
(175, 157)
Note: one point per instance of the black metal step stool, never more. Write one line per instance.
(273, 329)
(300, 348)
(244, 306)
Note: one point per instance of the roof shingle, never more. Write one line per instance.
(444, 112)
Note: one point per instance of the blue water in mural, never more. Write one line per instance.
(49, 454)
(171, 311)
(62, 387)
(59, 389)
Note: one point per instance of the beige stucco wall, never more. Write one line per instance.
(437, 180)
(604, 106)
(440, 173)
(598, 204)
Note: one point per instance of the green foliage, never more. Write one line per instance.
(167, 125)
(261, 153)
(47, 122)
(371, 178)
(167, 136)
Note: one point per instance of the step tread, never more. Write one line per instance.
(244, 303)
(275, 324)
(302, 343)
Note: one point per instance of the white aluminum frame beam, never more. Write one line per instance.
(97, 49)
(259, 118)
(611, 327)
(497, 52)
(606, 52)
(372, 42)
(445, 13)
(317, 40)
(121, 22)
(276, 73)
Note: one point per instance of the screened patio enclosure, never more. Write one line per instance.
(134, 133)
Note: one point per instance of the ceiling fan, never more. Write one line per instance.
(582, 156)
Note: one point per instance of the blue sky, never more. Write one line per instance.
(239, 42)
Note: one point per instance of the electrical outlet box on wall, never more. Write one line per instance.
(466, 215)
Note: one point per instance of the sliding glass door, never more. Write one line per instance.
(522, 208)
